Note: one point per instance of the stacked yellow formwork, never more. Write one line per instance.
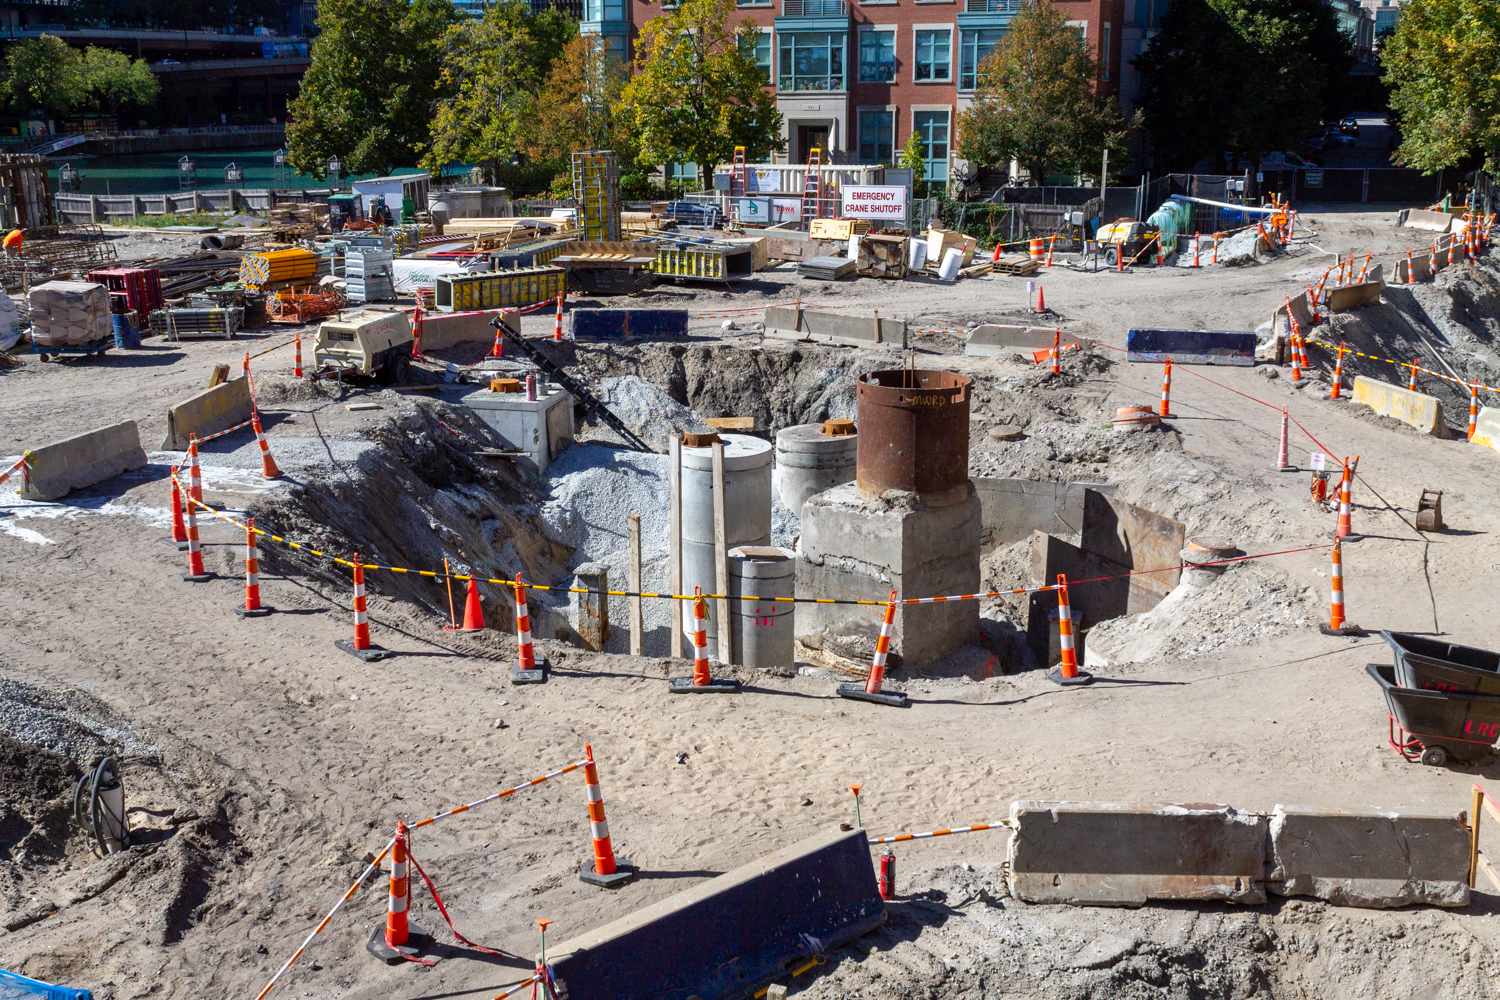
(596, 187)
(262, 269)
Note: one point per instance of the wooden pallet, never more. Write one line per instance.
(1018, 265)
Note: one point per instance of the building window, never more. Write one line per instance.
(876, 135)
(760, 54)
(932, 131)
(1104, 48)
(604, 10)
(811, 60)
(934, 61)
(877, 56)
(974, 47)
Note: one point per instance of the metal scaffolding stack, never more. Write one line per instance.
(596, 187)
(368, 274)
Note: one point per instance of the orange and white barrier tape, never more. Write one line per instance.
(20, 463)
(976, 828)
(228, 430)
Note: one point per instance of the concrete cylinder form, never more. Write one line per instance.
(747, 511)
(914, 433)
(1203, 549)
(762, 631)
(811, 458)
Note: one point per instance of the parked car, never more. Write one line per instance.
(1341, 138)
(1350, 126)
(1285, 161)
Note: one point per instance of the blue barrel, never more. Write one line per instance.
(126, 333)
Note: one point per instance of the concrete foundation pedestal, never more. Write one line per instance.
(853, 547)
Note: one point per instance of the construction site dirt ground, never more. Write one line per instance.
(263, 766)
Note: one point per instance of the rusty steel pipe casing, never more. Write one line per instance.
(914, 433)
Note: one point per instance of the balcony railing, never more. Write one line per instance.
(814, 8)
(993, 6)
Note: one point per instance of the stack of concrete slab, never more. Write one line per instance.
(69, 313)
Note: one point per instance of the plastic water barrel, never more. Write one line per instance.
(952, 260)
(918, 254)
(126, 333)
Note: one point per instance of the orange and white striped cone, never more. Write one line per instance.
(360, 645)
(1312, 304)
(1161, 253)
(1119, 258)
(399, 939)
(297, 357)
(1411, 276)
(179, 539)
(1066, 672)
(1337, 388)
(1057, 351)
(498, 351)
(606, 870)
(1166, 389)
(1296, 354)
(1283, 464)
(526, 670)
(1345, 530)
(703, 681)
(253, 608)
(416, 334)
(557, 327)
(1411, 383)
(1215, 258)
(268, 468)
(1050, 241)
(1364, 270)
(1302, 348)
(195, 475)
(196, 573)
(1196, 262)
(1473, 409)
(870, 690)
(1337, 623)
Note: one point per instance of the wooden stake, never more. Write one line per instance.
(637, 620)
(674, 542)
(721, 557)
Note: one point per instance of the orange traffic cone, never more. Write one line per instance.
(870, 690)
(268, 468)
(527, 670)
(253, 608)
(1041, 299)
(473, 613)
(1067, 672)
(702, 681)
(398, 939)
(360, 645)
(606, 870)
(179, 539)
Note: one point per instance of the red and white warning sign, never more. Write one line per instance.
(874, 202)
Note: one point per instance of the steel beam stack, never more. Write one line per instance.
(596, 188)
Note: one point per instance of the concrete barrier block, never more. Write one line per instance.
(1418, 218)
(1487, 428)
(1423, 412)
(731, 933)
(1301, 312)
(633, 324)
(1366, 293)
(821, 327)
(1191, 347)
(441, 330)
(209, 411)
(1370, 858)
(1421, 268)
(76, 462)
(1118, 854)
(995, 340)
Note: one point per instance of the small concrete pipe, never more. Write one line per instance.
(762, 631)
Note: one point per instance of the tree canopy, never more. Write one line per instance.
(577, 107)
(44, 74)
(1443, 66)
(1036, 100)
(697, 93)
(368, 95)
(1243, 77)
(112, 80)
(492, 71)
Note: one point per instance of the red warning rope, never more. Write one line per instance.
(444, 911)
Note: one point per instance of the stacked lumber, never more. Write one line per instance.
(882, 256)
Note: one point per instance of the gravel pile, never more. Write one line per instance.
(649, 412)
(70, 723)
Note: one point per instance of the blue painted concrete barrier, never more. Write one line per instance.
(1191, 347)
(643, 323)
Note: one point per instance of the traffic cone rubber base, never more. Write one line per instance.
(179, 546)
(368, 655)
(1283, 468)
(259, 612)
(416, 940)
(716, 685)
(1056, 677)
(197, 577)
(537, 676)
(1346, 629)
(624, 872)
(896, 699)
(1346, 538)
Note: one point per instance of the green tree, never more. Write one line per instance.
(492, 70)
(578, 106)
(1036, 100)
(913, 160)
(697, 93)
(1443, 67)
(369, 92)
(112, 80)
(43, 74)
(1244, 77)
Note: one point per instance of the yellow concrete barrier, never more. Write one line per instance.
(1487, 428)
(1425, 413)
(211, 410)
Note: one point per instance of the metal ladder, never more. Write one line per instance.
(737, 174)
(591, 403)
(812, 185)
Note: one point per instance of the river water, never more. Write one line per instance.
(157, 173)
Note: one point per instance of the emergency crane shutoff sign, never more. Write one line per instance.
(874, 202)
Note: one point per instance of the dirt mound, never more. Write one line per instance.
(34, 812)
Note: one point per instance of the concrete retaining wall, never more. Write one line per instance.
(209, 411)
(994, 340)
(1191, 347)
(1011, 509)
(1487, 430)
(76, 462)
(1114, 854)
(731, 933)
(1369, 858)
(1423, 412)
(1366, 293)
(821, 327)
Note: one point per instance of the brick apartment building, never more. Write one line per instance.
(857, 77)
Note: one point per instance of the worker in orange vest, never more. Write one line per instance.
(13, 243)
